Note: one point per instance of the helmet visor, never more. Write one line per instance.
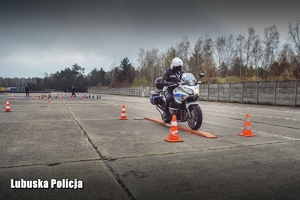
(177, 67)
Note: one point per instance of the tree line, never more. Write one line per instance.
(75, 76)
(247, 57)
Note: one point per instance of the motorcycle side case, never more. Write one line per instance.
(154, 98)
(158, 83)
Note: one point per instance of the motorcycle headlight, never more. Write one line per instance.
(189, 91)
(197, 90)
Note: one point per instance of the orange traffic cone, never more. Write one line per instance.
(32, 97)
(60, 97)
(12, 97)
(7, 106)
(80, 97)
(247, 132)
(123, 113)
(173, 136)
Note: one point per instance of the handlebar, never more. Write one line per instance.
(170, 84)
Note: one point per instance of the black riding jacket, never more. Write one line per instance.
(171, 76)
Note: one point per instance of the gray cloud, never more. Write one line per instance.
(48, 36)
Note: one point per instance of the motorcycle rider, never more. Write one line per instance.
(171, 76)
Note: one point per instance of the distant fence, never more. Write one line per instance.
(285, 93)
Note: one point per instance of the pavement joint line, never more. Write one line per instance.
(50, 164)
(265, 116)
(252, 121)
(235, 145)
(260, 132)
(117, 177)
(36, 121)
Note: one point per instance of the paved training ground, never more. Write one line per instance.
(129, 159)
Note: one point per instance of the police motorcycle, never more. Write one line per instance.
(184, 103)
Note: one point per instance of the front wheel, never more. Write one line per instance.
(195, 121)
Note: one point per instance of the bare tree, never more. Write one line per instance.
(230, 51)
(161, 63)
(240, 44)
(208, 65)
(153, 63)
(294, 32)
(168, 56)
(271, 43)
(286, 54)
(285, 60)
(257, 51)
(220, 45)
(149, 64)
(196, 60)
(250, 44)
(183, 51)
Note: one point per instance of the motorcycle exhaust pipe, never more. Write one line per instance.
(159, 110)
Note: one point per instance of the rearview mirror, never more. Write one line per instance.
(201, 75)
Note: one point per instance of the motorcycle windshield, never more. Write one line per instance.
(188, 79)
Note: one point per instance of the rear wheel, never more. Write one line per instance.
(195, 121)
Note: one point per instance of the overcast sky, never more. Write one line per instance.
(46, 36)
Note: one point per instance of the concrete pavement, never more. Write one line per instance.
(82, 140)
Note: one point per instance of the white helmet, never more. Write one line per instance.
(176, 62)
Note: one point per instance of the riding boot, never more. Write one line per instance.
(166, 110)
